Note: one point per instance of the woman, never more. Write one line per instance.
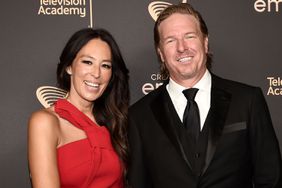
(81, 140)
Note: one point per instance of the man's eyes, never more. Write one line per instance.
(190, 36)
(169, 40)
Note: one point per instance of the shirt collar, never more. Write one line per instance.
(203, 84)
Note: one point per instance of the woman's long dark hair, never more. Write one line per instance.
(111, 109)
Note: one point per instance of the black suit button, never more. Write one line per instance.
(197, 155)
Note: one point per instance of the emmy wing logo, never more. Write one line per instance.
(156, 7)
(47, 95)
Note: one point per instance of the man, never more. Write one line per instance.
(231, 145)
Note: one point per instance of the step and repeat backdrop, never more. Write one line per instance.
(245, 38)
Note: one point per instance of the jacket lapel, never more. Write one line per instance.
(163, 110)
(220, 101)
(167, 118)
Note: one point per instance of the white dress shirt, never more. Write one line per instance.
(203, 97)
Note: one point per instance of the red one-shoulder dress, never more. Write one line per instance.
(90, 162)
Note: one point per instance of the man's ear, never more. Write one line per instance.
(206, 43)
(160, 54)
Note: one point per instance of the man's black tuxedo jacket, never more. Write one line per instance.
(242, 151)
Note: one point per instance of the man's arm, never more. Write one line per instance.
(265, 148)
(137, 175)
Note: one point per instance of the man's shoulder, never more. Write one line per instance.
(238, 90)
(146, 100)
(231, 85)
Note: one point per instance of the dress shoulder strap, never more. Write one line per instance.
(68, 111)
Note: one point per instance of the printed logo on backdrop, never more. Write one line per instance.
(275, 86)
(47, 95)
(156, 81)
(156, 7)
(66, 8)
(267, 5)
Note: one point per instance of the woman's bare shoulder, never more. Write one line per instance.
(44, 121)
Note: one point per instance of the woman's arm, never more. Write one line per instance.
(43, 131)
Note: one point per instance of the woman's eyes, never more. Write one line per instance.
(104, 65)
(87, 62)
(107, 66)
